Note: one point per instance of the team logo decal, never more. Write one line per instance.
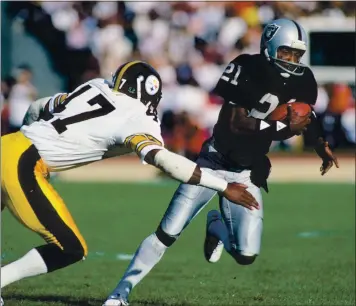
(152, 85)
(271, 30)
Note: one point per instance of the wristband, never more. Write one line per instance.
(211, 181)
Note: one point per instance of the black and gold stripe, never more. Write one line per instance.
(36, 204)
(59, 99)
(121, 73)
(138, 142)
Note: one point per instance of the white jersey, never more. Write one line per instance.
(93, 123)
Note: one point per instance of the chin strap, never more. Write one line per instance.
(266, 55)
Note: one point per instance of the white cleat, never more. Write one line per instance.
(2, 302)
(213, 246)
(116, 300)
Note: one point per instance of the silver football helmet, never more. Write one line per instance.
(285, 33)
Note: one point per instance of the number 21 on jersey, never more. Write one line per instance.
(229, 70)
(267, 103)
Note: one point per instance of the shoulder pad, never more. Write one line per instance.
(249, 59)
(251, 62)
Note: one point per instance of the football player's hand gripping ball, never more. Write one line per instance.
(297, 124)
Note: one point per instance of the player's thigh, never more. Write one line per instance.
(187, 202)
(31, 198)
(244, 225)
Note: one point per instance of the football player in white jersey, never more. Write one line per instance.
(99, 119)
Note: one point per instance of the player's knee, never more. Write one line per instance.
(57, 256)
(73, 248)
(75, 252)
(165, 238)
(244, 259)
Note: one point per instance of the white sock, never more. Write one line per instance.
(30, 264)
(146, 257)
(218, 229)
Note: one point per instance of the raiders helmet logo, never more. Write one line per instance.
(271, 30)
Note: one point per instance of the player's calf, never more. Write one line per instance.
(213, 246)
(146, 257)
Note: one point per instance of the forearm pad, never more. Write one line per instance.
(176, 166)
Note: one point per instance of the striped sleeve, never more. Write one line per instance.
(139, 143)
(56, 100)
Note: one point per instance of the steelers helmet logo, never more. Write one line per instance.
(152, 85)
(271, 30)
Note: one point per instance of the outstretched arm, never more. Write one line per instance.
(151, 150)
(186, 171)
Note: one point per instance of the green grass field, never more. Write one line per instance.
(307, 256)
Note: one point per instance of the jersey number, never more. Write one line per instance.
(105, 108)
(229, 70)
(267, 105)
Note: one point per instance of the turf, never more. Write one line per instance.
(307, 257)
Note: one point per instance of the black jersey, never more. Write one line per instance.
(252, 82)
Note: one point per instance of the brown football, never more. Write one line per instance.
(280, 113)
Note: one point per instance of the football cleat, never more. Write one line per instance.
(116, 300)
(213, 246)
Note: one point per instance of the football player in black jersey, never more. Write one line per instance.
(252, 86)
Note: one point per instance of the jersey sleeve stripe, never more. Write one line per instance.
(138, 141)
(123, 70)
(56, 100)
(144, 144)
(59, 99)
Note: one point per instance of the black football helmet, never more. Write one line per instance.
(138, 80)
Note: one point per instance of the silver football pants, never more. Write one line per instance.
(244, 225)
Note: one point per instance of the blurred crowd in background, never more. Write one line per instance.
(189, 43)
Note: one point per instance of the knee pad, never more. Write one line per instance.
(166, 239)
(243, 259)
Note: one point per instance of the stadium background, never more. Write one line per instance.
(50, 47)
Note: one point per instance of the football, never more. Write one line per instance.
(280, 113)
